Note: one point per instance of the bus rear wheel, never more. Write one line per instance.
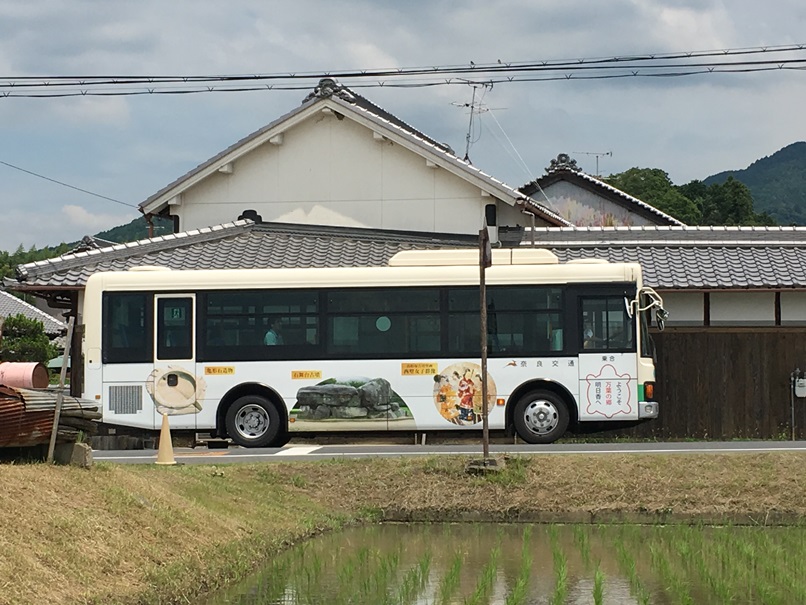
(253, 421)
(541, 417)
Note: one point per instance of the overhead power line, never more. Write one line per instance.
(47, 178)
(746, 60)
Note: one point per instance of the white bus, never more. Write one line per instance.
(254, 355)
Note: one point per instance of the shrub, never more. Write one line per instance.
(24, 339)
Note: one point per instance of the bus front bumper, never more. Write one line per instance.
(648, 409)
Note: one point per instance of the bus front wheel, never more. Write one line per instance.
(253, 421)
(541, 417)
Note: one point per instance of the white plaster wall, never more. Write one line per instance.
(742, 308)
(512, 217)
(584, 208)
(334, 172)
(685, 308)
(793, 308)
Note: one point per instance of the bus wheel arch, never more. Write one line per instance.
(252, 398)
(543, 397)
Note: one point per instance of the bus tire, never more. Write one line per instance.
(253, 421)
(540, 417)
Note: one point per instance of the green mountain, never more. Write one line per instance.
(777, 182)
(136, 230)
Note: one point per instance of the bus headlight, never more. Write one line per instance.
(648, 409)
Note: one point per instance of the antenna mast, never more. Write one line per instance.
(598, 154)
(474, 109)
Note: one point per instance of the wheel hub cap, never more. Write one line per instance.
(252, 421)
(541, 417)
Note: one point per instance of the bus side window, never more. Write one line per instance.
(605, 325)
(127, 321)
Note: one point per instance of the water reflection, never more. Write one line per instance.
(529, 565)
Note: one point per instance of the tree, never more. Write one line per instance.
(653, 186)
(731, 203)
(22, 256)
(728, 203)
(25, 340)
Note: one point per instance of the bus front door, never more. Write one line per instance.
(173, 385)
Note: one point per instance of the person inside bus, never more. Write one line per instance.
(275, 334)
(589, 340)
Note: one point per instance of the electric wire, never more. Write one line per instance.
(47, 178)
(514, 154)
(652, 65)
(579, 63)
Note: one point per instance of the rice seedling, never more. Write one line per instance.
(518, 565)
(627, 565)
(582, 541)
(450, 581)
(272, 584)
(519, 592)
(673, 582)
(756, 565)
(484, 584)
(598, 586)
(414, 580)
(560, 569)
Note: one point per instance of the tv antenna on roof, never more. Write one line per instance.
(475, 107)
(598, 155)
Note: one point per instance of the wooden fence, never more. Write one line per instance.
(730, 383)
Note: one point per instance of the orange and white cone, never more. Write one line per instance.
(165, 454)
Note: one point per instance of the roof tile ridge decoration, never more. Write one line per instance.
(148, 245)
(451, 156)
(36, 310)
(329, 87)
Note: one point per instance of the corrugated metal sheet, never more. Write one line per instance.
(26, 417)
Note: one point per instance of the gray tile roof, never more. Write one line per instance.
(348, 101)
(11, 305)
(591, 183)
(691, 257)
(241, 244)
(672, 257)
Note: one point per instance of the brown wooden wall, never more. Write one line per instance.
(730, 383)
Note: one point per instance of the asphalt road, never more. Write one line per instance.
(297, 452)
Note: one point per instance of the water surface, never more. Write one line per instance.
(492, 564)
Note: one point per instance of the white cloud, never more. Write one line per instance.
(93, 110)
(127, 148)
(91, 222)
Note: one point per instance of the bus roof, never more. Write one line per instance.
(412, 271)
(470, 256)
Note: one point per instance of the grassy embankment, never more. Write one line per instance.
(147, 534)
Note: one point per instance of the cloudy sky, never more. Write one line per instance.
(128, 147)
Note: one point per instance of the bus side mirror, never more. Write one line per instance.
(660, 317)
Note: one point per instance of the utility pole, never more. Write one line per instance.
(598, 154)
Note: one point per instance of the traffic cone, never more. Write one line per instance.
(165, 454)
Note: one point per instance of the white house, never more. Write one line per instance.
(340, 160)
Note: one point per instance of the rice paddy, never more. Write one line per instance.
(488, 564)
